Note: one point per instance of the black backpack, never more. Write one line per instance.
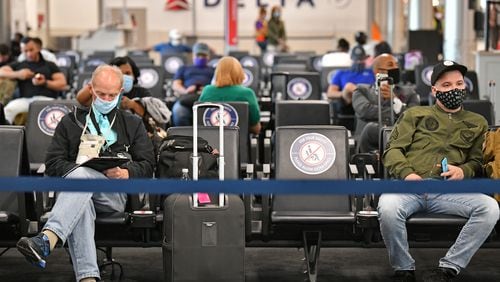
(175, 153)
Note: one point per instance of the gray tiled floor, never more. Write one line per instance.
(262, 264)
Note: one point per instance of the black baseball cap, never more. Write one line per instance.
(358, 54)
(446, 66)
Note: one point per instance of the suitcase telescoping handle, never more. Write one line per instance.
(492, 89)
(195, 146)
(380, 77)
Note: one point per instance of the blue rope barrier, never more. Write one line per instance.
(166, 186)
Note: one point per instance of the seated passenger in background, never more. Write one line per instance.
(175, 44)
(189, 82)
(38, 79)
(131, 88)
(15, 44)
(382, 48)
(5, 55)
(7, 86)
(47, 54)
(338, 58)
(228, 78)
(72, 217)
(422, 138)
(365, 104)
(344, 82)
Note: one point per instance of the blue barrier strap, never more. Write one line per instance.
(164, 186)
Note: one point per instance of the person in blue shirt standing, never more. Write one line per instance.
(175, 44)
(188, 83)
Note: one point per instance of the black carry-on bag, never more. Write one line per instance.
(204, 242)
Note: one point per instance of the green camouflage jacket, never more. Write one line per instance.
(424, 135)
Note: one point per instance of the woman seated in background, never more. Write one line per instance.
(227, 87)
(131, 89)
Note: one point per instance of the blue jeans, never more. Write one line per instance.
(181, 115)
(72, 219)
(481, 210)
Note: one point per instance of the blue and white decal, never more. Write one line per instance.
(229, 116)
(172, 64)
(426, 75)
(299, 88)
(249, 61)
(149, 78)
(248, 80)
(50, 116)
(312, 153)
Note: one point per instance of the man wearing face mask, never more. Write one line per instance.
(174, 45)
(188, 83)
(276, 33)
(345, 81)
(131, 88)
(102, 130)
(442, 141)
(365, 103)
(37, 78)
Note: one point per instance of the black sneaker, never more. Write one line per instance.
(404, 276)
(35, 249)
(440, 274)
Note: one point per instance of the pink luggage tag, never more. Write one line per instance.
(203, 198)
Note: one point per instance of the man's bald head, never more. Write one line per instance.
(106, 82)
(384, 62)
(107, 75)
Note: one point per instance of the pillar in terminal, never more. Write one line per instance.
(420, 14)
(231, 25)
(459, 42)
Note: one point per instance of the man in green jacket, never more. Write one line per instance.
(422, 138)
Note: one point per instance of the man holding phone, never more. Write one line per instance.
(38, 79)
(365, 103)
(436, 142)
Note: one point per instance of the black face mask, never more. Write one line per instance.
(394, 74)
(451, 99)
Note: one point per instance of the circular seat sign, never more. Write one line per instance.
(172, 64)
(229, 116)
(312, 153)
(50, 116)
(299, 88)
(149, 78)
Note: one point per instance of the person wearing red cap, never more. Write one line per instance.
(442, 141)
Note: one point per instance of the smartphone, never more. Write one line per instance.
(444, 165)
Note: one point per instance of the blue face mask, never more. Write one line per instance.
(104, 107)
(128, 83)
(200, 62)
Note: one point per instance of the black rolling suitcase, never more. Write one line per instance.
(204, 242)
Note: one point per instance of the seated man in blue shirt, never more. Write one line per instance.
(344, 82)
(174, 44)
(188, 83)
